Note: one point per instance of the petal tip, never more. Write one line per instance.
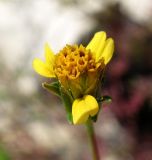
(46, 46)
(110, 40)
(101, 33)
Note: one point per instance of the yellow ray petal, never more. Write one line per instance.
(42, 68)
(97, 44)
(91, 105)
(49, 55)
(83, 108)
(80, 115)
(108, 50)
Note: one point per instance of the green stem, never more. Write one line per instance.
(92, 140)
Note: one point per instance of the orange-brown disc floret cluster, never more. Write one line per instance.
(72, 61)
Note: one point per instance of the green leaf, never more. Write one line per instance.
(53, 87)
(68, 105)
(56, 88)
(106, 99)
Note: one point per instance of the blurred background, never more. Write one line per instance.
(33, 122)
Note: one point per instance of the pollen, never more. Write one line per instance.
(73, 61)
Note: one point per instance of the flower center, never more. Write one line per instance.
(72, 61)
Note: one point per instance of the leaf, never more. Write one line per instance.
(68, 105)
(53, 87)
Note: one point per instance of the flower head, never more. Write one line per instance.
(78, 70)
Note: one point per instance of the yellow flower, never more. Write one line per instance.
(78, 69)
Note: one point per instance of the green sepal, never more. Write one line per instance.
(56, 89)
(103, 99)
(53, 87)
(68, 105)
